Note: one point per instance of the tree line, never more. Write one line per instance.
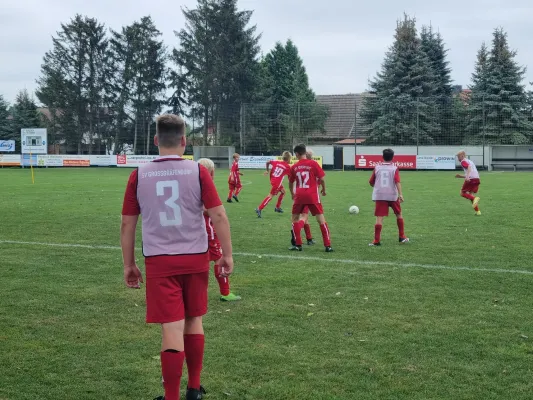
(102, 88)
(412, 99)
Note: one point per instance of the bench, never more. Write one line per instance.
(514, 162)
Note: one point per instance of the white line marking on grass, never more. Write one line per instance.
(303, 258)
(246, 183)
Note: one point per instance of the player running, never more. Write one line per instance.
(387, 193)
(472, 182)
(306, 175)
(170, 193)
(215, 251)
(234, 180)
(278, 171)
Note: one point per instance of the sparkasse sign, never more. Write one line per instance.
(370, 161)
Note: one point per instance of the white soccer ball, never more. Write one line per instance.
(354, 210)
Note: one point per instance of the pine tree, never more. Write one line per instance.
(403, 110)
(25, 115)
(6, 130)
(73, 76)
(216, 64)
(432, 45)
(476, 101)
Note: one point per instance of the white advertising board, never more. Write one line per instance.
(254, 162)
(7, 146)
(34, 141)
(128, 160)
(103, 160)
(9, 160)
(435, 162)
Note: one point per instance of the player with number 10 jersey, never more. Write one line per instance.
(305, 177)
(278, 171)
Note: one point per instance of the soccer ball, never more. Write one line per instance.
(354, 210)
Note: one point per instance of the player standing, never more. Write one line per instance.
(305, 215)
(387, 193)
(234, 180)
(215, 251)
(306, 175)
(170, 194)
(278, 171)
(472, 182)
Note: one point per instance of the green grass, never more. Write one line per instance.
(306, 329)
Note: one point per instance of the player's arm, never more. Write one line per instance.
(218, 216)
(321, 175)
(130, 216)
(322, 183)
(467, 173)
(267, 167)
(292, 183)
(372, 180)
(398, 185)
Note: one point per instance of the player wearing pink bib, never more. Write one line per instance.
(387, 193)
(170, 194)
(472, 182)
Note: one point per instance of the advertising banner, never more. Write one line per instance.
(435, 162)
(62, 160)
(34, 141)
(254, 162)
(26, 161)
(294, 160)
(103, 160)
(135, 161)
(9, 160)
(7, 146)
(370, 161)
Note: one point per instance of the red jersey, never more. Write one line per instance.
(170, 265)
(279, 170)
(306, 174)
(234, 176)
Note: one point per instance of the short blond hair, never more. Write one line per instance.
(235, 155)
(309, 154)
(286, 156)
(461, 153)
(208, 163)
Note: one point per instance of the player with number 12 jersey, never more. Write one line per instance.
(305, 177)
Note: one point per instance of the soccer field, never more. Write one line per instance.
(448, 316)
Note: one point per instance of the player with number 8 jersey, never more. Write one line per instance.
(170, 194)
(305, 177)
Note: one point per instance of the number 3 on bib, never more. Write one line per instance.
(170, 202)
(303, 179)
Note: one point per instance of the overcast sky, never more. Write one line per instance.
(342, 42)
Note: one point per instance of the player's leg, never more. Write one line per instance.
(195, 304)
(263, 205)
(281, 195)
(307, 227)
(474, 187)
(318, 212)
(465, 191)
(164, 305)
(238, 189)
(397, 209)
(297, 226)
(381, 210)
(224, 285)
(232, 189)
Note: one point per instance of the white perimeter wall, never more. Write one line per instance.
(475, 153)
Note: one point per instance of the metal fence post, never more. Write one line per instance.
(484, 130)
(417, 125)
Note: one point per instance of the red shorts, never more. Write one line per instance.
(315, 209)
(215, 251)
(234, 186)
(471, 186)
(172, 298)
(275, 190)
(382, 208)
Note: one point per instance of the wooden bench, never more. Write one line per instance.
(514, 162)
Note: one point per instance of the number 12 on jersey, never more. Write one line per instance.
(303, 179)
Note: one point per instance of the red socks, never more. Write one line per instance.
(238, 190)
(171, 368)
(325, 235)
(230, 195)
(401, 227)
(280, 199)
(377, 233)
(468, 196)
(297, 230)
(476, 208)
(223, 281)
(308, 234)
(194, 355)
(265, 203)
